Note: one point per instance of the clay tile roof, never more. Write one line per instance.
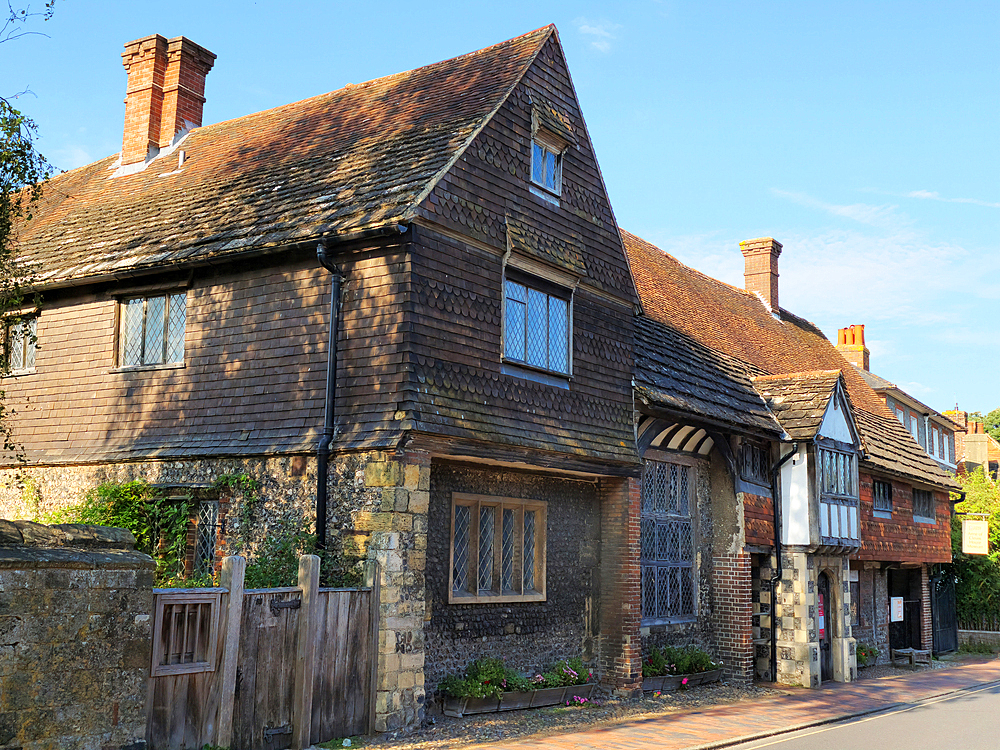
(362, 156)
(798, 400)
(676, 373)
(732, 321)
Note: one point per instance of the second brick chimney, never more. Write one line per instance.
(851, 344)
(760, 270)
(165, 92)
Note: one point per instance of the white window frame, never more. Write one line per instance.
(22, 335)
(655, 521)
(511, 342)
(837, 478)
(914, 427)
(493, 564)
(935, 442)
(146, 360)
(543, 144)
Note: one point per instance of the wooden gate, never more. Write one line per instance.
(287, 668)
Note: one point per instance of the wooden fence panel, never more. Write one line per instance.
(343, 664)
(265, 676)
(182, 709)
(251, 677)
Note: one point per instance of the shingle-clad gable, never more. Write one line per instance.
(733, 321)
(799, 400)
(362, 156)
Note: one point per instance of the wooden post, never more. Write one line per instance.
(305, 652)
(373, 581)
(233, 570)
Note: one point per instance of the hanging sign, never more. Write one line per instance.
(822, 618)
(975, 537)
(895, 609)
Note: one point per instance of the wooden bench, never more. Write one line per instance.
(909, 656)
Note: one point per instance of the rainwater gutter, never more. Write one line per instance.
(329, 414)
(776, 576)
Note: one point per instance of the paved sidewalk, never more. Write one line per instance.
(725, 725)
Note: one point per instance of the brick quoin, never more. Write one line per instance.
(733, 608)
(620, 645)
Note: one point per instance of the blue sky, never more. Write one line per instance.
(864, 136)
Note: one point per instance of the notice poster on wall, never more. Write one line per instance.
(975, 537)
(895, 609)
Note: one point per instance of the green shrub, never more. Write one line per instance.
(867, 655)
(489, 678)
(670, 660)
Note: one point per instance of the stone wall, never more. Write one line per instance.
(527, 635)
(75, 619)
(794, 613)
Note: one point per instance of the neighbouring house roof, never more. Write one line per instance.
(799, 400)
(732, 321)
(360, 157)
(882, 386)
(676, 373)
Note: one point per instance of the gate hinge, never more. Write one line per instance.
(284, 604)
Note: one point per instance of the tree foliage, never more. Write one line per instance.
(977, 577)
(991, 423)
(23, 171)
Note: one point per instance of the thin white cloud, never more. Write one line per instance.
(876, 216)
(600, 33)
(934, 196)
(70, 157)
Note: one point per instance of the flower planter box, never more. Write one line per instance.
(548, 697)
(670, 682)
(712, 675)
(459, 707)
(514, 701)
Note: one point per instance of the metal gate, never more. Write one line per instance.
(944, 614)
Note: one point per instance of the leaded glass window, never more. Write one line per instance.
(923, 506)
(151, 331)
(21, 345)
(837, 473)
(536, 327)
(882, 496)
(497, 549)
(666, 542)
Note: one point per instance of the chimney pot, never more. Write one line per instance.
(760, 272)
(851, 345)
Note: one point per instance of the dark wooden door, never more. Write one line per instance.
(824, 622)
(943, 612)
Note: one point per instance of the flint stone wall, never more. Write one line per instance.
(75, 618)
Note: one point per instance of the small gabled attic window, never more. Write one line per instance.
(551, 136)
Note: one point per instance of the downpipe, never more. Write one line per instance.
(778, 570)
(326, 439)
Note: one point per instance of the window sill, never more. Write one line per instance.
(545, 194)
(882, 514)
(546, 377)
(652, 622)
(924, 520)
(20, 373)
(147, 368)
(454, 598)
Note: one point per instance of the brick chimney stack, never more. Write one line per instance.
(165, 92)
(851, 345)
(760, 270)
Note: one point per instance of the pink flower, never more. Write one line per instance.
(684, 681)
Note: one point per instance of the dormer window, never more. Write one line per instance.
(546, 163)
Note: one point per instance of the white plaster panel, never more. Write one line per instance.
(795, 499)
(835, 423)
